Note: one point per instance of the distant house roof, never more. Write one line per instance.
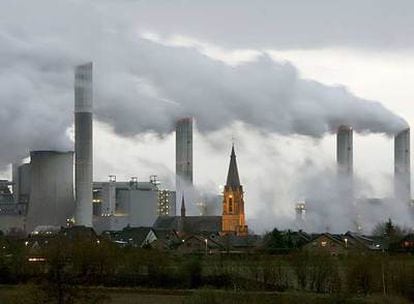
(232, 241)
(198, 243)
(349, 240)
(132, 236)
(166, 222)
(79, 232)
(368, 242)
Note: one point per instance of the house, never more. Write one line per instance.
(143, 237)
(137, 237)
(337, 244)
(328, 243)
(199, 244)
(165, 239)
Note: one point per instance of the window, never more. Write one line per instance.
(230, 204)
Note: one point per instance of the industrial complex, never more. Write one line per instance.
(56, 188)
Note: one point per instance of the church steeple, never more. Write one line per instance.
(233, 179)
(233, 218)
(182, 207)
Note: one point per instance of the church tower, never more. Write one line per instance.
(233, 219)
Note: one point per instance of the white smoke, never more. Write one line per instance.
(142, 86)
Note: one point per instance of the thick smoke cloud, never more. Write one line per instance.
(143, 86)
(265, 94)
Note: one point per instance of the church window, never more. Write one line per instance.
(230, 204)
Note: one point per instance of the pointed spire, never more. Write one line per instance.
(182, 207)
(233, 174)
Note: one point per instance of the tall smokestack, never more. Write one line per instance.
(344, 151)
(402, 166)
(184, 157)
(83, 144)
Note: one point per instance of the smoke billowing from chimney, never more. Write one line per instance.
(179, 82)
(144, 86)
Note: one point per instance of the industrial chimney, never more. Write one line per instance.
(83, 144)
(402, 166)
(344, 151)
(184, 157)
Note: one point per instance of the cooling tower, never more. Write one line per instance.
(402, 166)
(83, 144)
(51, 189)
(184, 156)
(344, 151)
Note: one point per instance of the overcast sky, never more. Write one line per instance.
(279, 76)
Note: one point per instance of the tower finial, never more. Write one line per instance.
(233, 173)
(182, 206)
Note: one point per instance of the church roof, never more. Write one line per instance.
(233, 179)
(192, 224)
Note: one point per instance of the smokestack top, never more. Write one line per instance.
(83, 88)
(184, 119)
(403, 132)
(344, 128)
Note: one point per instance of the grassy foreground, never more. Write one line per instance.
(31, 294)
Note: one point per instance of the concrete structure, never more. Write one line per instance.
(51, 191)
(184, 157)
(83, 144)
(15, 180)
(12, 224)
(120, 204)
(166, 203)
(402, 166)
(24, 182)
(344, 151)
(233, 219)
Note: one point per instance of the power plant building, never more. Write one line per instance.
(120, 204)
(83, 144)
(402, 166)
(51, 200)
(166, 203)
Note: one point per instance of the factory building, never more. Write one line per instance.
(166, 203)
(11, 213)
(184, 157)
(51, 199)
(120, 204)
(21, 183)
(83, 144)
(402, 166)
